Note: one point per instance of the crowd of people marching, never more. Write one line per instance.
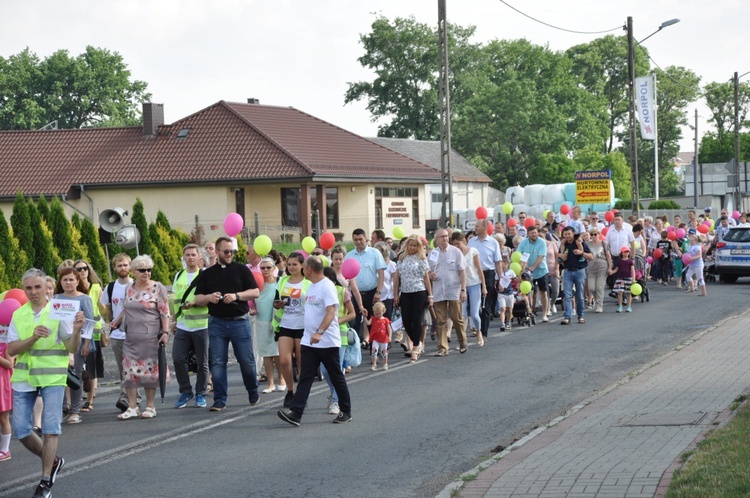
(317, 315)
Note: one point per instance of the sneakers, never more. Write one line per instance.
(288, 399)
(253, 397)
(291, 417)
(200, 400)
(217, 407)
(342, 418)
(4, 455)
(619, 309)
(545, 319)
(385, 366)
(374, 368)
(554, 309)
(57, 466)
(502, 327)
(333, 408)
(628, 309)
(43, 490)
(184, 398)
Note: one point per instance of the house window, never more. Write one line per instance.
(437, 198)
(290, 206)
(290, 199)
(332, 207)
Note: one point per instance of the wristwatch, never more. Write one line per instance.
(320, 331)
(237, 296)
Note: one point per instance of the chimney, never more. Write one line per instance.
(153, 118)
(252, 100)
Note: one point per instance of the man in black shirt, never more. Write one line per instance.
(226, 288)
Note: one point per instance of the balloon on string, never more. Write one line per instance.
(262, 244)
(636, 289)
(564, 209)
(666, 225)
(650, 260)
(2, 295)
(530, 222)
(525, 287)
(516, 267)
(481, 213)
(658, 253)
(510, 269)
(309, 244)
(602, 237)
(736, 215)
(18, 295)
(490, 227)
(350, 268)
(432, 242)
(233, 224)
(680, 233)
(672, 235)
(609, 216)
(686, 259)
(516, 257)
(604, 231)
(703, 229)
(7, 307)
(512, 222)
(398, 232)
(258, 279)
(670, 229)
(546, 212)
(327, 240)
(507, 207)
(324, 260)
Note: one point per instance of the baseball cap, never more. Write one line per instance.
(708, 209)
(624, 249)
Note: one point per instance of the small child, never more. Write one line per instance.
(6, 395)
(665, 262)
(625, 276)
(695, 266)
(505, 299)
(380, 335)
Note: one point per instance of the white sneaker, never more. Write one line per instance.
(333, 408)
(554, 309)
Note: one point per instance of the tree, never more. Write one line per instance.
(44, 254)
(715, 150)
(80, 251)
(591, 159)
(60, 227)
(18, 263)
(43, 208)
(75, 221)
(5, 245)
(138, 218)
(92, 89)
(161, 270)
(720, 101)
(21, 223)
(404, 56)
(90, 239)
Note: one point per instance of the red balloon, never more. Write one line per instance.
(703, 228)
(327, 240)
(512, 222)
(7, 307)
(481, 213)
(605, 230)
(18, 295)
(609, 216)
(672, 235)
(530, 222)
(658, 253)
(564, 209)
(259, 280)
(490, 228)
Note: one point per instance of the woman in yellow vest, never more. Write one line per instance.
(95, 358)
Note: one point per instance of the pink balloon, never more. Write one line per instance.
(304, 253)
(686, 259)
(350, 268)
(650, 260)
(233, 224)
(680, 233)
(736, 215)
(7, 307)
(670, 229)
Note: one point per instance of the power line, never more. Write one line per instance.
(558, 27)
(676, 82)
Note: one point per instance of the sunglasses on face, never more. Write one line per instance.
(82, 268)
(227, 251)
(266, 267)
(143, 270)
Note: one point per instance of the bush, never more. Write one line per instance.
(626, 205)
(664, 204)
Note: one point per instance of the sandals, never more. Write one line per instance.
(74, 419)
(581, 320)
(129, 413)
(149, 412)
(462, 349)
(565, 321)
(87, 407)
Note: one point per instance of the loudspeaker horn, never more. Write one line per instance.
(128, 237)
(111, 220)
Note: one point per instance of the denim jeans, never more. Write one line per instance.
(574, 278)
(222, 332)
(472, 306)
(22, 419)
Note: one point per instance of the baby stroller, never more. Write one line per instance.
(640, 280)
(521, 308)
(709, 270)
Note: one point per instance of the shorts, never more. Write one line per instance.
(540, 284)
(293, 333)
(623, 285)
(22, 418)
(505, 300)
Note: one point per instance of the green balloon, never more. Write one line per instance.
(525, 287)
(516, 268)
(308, 244)
(398, 233)
(507, 207)
(636, 289)
(324, 260)
(262, 245)
(516, 257)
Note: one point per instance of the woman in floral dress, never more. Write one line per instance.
(145, 320)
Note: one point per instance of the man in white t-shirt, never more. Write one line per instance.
(112, 299)
(320, 344)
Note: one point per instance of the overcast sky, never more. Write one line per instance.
(302, 53)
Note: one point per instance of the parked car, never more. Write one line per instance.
(733, 254)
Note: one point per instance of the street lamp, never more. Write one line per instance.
(635, 196)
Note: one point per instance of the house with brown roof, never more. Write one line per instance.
(281, 169)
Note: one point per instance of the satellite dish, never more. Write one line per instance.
(111, 220)
(128, 237)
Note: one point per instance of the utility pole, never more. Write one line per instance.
(446, 179)
(635, 196)
(695, 164)
(737, 192)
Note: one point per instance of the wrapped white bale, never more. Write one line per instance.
(569, 190)
(515, 195)
(553, 193)
(538, 210)
(533, 194)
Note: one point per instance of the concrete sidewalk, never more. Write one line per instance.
(626, 441)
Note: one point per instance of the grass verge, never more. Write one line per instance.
(718, 466)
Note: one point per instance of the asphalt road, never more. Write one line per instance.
(414, 428)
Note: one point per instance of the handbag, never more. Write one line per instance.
(351, 337)
(74, 381)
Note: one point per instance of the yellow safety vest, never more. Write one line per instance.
(278, 314)
(195, 318)
(343, 327)
(95, 292)
(46, 363)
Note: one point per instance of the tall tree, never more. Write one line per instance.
(92, 89)
(138, 218)
(60, 227)
(90, 238)
(5, 244)
(720, 101)
(43, 208)
(43, 250)
(403, 53)
(21, 223)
